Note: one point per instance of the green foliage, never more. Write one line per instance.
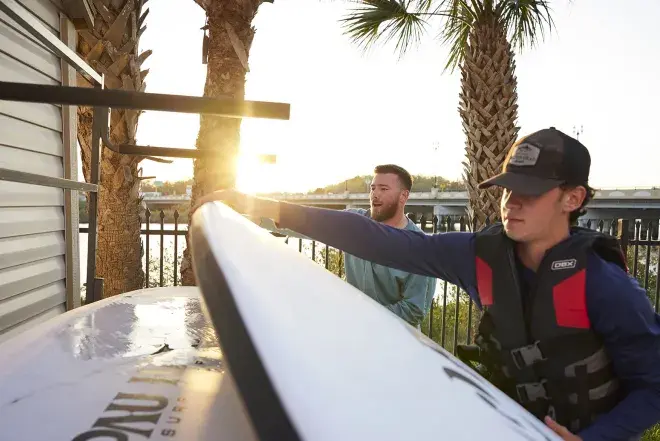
(168, 188)
(318, 252)
(168, 267)
(406, 21)
(653, 434)
(446, 325)
(646, 270)
(359, 184)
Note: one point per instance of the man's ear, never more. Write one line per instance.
(573, 198)
(403, 196)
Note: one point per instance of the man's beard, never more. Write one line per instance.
(384, 212)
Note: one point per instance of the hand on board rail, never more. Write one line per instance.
(560, 430)
(243, 203)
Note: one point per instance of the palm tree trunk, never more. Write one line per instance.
(489, 110)
(112, 49)
(230, 38)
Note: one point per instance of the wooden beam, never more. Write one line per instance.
(70, 160)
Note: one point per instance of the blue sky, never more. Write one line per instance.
(351, 110)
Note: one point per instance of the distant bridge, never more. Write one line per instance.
(162, 202)
(607, 203)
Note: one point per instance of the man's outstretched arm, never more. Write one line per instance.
(447, 256)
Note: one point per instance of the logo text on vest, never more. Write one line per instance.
(563, 264)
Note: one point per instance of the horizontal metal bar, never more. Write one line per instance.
(39, 31)
(173, 152)
(169, 232)
(643, 242)
(170, 152)
(151, 232)
(44, 181)
(123, 99)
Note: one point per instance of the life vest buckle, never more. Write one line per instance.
(530, 392)
(527, 355)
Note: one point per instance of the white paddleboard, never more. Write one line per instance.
(141, 366)
(274, 348)
(316, 359)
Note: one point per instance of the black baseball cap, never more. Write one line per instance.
(542, 161)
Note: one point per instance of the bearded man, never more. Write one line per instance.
(406, 295)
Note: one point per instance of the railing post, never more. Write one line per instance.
(647, 262)
(431, 317)
(147, 216)
(98, 288)
(444, 314)
(176, 243)
(162, 245)
(623, 235)
(98, 119)
(636, 238)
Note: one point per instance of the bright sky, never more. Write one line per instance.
(351, 110)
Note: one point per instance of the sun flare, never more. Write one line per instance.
(249, 174)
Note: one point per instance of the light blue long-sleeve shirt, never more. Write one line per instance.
(407, 295)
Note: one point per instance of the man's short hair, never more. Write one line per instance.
(403, 175)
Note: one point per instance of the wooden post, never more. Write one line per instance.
(70, 161)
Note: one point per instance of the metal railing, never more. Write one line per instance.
(102, 101)
(452, 318)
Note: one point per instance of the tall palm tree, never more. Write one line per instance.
(480, 35)
(230, 34)
(111, 48)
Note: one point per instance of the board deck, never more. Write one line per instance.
(142, 366)
(331, 363)
(271, 347)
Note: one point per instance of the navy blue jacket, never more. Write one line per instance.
(618, 308)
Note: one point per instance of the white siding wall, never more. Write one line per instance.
(32, 239)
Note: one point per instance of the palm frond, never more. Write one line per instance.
(461, 16)
(525, 21)
(364, 23)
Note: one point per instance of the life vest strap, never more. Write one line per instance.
(531, 392)
(542, 350)
(527, 355)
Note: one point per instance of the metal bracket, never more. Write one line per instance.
(44, 181)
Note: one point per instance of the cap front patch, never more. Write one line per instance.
(525, 155)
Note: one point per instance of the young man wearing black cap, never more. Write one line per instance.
(568, 333)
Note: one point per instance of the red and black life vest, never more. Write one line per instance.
(541, 341)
